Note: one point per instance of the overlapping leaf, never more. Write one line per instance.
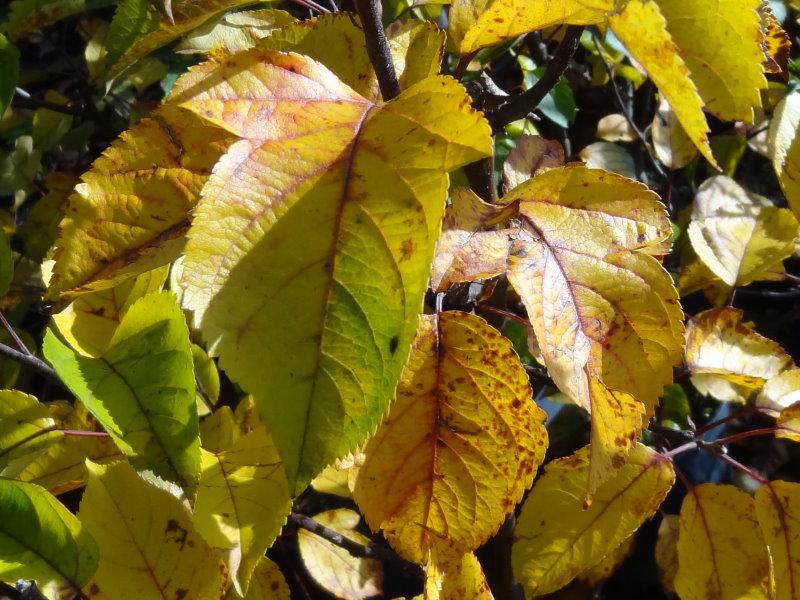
(777, 507)
(28, 15)
(454, 576)
(557, 538)
(276, 269)
(130, 213)
(784, 146)
(531, 156)
(234, 31)
(24, 422)
(267, 583)
(604, 311)
(148, 545)
(721, 552)
(41, 540)
(461, 444)
(142, 388)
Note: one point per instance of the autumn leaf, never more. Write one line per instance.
(234, 31)
(531, 156)
(582, 264)
(716, 519)
(671, 144)
(666, 551)
(40, 539)
(776, 43)
(610, 563)
(130, 212)
(779, 392)
(345, 324)
(460, 445)
(454, 576)
(267, 583)
(557, 538)
(24, 422)
(242, 502)
(148, 545)
(332, 567)
(727, 358)
(142, 388)
(784, 147)
(777, 507)
(741, 237)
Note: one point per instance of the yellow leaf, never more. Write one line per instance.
(460, 445)
(780, 392)
(234, 31)
(478, 23)
(532, 156)
(666, 551)
(643, 30)
(721, 552)
(340, 477)
(740, 236)
(337, 41)
(727, 358)
(130, 212)
(316, 157)
(557, 539)
(186, 15)
(148, 545)
(670, 141)
(332, 567)
(23, 424)
(464, 251)
(610, 563)
(267, 583)
(788, 425)
(720, 41)
(454, 576)
(778, 513)
(605, 313)
(219, 430)
(608, 156)
(615, 128)
(695, 276)
(242, 502)
(776, 43)
(89, 322)
(784, 146)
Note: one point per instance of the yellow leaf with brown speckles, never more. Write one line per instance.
(778, 513)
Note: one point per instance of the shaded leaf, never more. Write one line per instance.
(609, 157)
(557, 538)
(9, 72)
(148, 547)
(776, 43)
(532, 156)
(778, 512)
(615, 128)
(780, 392)
(50, 126)
(455, 576)
(142, 388)
(460, 445)
(672, 145)
(28, 15)
(666, 551)
(267, 583)
(721, 552)
(610, 563)
(315, 157)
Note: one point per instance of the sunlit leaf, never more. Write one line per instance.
(532, 156)
(148, 545)
(670, 142)
(23, 424)
(460, 445)
(727, 358)
(615, 128)
(234, 31)
(557, 538)
(778, 512)
(454, 576)
(267, 583)
(142, 388)
(784, 146)
(41, 540)
(721, 552)
(318, 182)
(610, 563)
(780, 392)
(776, 43)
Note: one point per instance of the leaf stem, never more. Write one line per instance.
(680, 450)
(14, 335)
(745, 412)
(744, 469)
(26, 439)
(745, 434)
(519, 106)
(30, 361)
(503, 313)
(378, 48)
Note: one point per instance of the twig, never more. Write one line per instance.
(310, 4)
(746, 470)
(36, 103)
(14, 335)
(30, 361)
(378, 47)
(503, 313)
(680, 449)
(744, 435)
(521, 105)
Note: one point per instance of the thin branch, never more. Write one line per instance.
(744, 469)
(519, 106)
(744, 435)
(29, 361)
(680, 450)
(31, 102)
(26, 439)
(378, 47)
(14, 335)
(311, 5)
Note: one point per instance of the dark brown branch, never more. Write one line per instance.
(29, 361)
(378, 47)
(27, 101)
(519, 106)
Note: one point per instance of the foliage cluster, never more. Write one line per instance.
(348, 299)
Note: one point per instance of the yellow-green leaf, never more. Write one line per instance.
(320, 179)
(727, 358)
(643, 29)
(603, 309)
(721, 552)
(235, 31)
(332, 567)
(142, 388)
(610, 563)
(41, 540)
(557, 538)
(130, 213)
(267, 583)
(148, 545)
(778, 513)
(670, 142)
(741, 237)
(89, 322)
(28, 15)
(24, 422)
(784, 147)
(242, 502)
(460, 445)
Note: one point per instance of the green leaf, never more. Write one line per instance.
(142, 388)
(28, 15)
(41, 540)
(6, 264)
(9, 72)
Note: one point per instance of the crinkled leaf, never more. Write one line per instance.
(242, 502)
(321, 179)
(148, 545)
(778, 513)
(41, 540)
(557, 537)
(531, 156)
(142, 388)
(604, 311)
(460, 445)
(235, 31)
(721, 552)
